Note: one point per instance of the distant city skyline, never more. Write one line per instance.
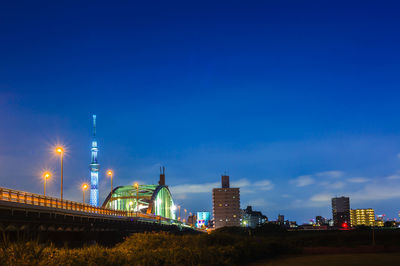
(297, 102)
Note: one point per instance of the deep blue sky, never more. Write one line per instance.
(297, 100)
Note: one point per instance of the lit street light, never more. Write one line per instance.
(60, 150)
(185, 215)
(179, 207)
(110, 173)
(46, 175)
(84, 188)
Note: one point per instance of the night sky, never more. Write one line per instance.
(297, 101)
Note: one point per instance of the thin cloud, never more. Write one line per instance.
(240, 183)
(358, 180)
(264, 185)
(244, 184)
(337, 185)
(302, 181)
(377, 191)
(322, 197)
(194, 188)
(257, 202)
(334, 185)
(393, 177)
(333, 174)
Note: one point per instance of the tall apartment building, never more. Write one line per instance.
(362, 217)
(341, 211)
(226, 204)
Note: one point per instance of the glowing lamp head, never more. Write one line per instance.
(59, 150)
(85, 186)
(46, 175)
(136, 185)
(109, 172)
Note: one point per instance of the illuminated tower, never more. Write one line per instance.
(94, 169)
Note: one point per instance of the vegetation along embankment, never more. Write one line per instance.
(228, 246)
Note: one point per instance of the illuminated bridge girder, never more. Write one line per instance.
(150, 199)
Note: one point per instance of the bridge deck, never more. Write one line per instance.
(55, 219)
(30, 199)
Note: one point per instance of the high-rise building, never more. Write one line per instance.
(94, 169)
(341, 211)
(362, 217)
(226, 204)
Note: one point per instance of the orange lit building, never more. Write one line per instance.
(362, 217)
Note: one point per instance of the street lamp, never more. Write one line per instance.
(179, 207)
(60, 150)
(46, 175)
(185, 214)
(84, 188)
(110, 173)
(137, 196)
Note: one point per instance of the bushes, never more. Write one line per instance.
(223, 247)
(149, 249)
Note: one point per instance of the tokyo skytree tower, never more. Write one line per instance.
(94, 169)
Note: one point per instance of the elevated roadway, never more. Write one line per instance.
(24, 214)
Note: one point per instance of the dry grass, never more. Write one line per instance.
(373, 259)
